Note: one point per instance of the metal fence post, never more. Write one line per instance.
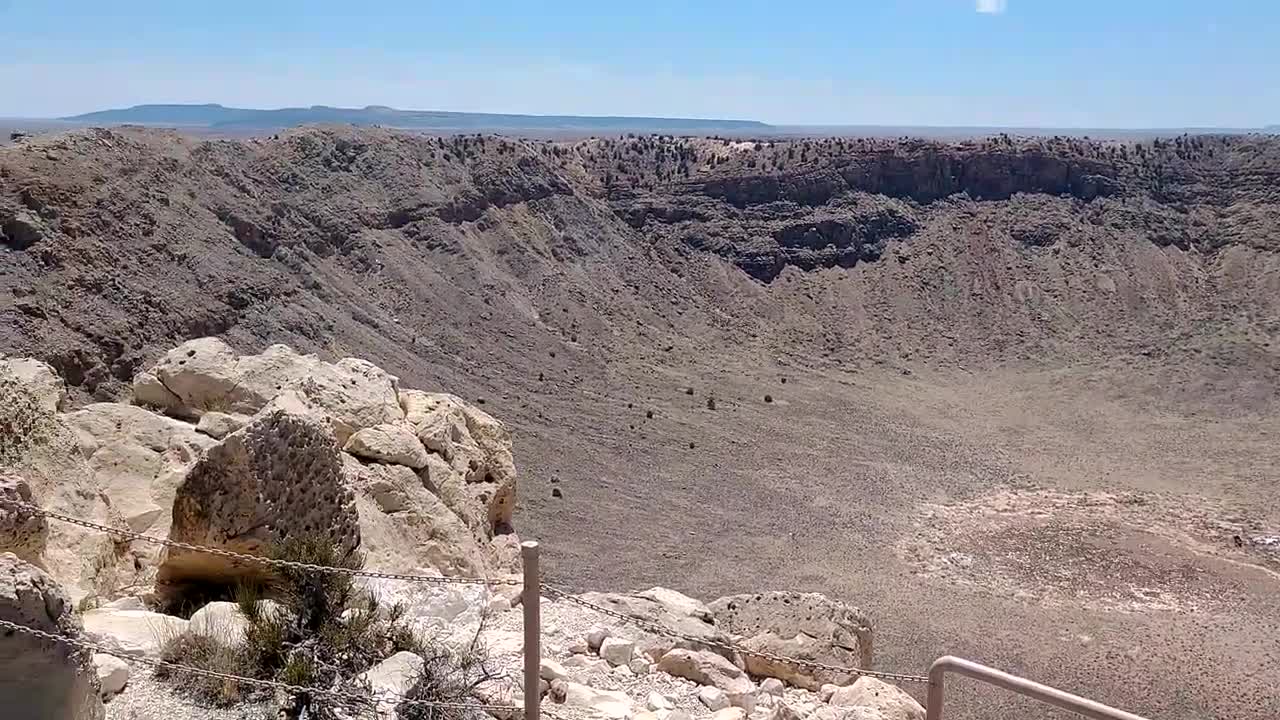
(531, 602)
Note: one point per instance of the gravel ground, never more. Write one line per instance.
(146, 698)
(563, 626)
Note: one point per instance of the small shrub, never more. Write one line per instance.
(649, 414)
(207, 653)
(448, 676)
(325, 633)
(216, 403)
(711, 403)
(768, 398)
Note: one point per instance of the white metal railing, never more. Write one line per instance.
(1022, 686)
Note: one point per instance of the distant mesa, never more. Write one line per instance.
(219, 117)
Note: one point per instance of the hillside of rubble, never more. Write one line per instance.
(1013, 398)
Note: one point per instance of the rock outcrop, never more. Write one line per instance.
(138, 458)
(888, 700)
(207, 375)
(279, 477)
(40, 448)
(266, 465)
(671, 610)
(135, 632)
(38, 678)
(394, 444)
(406, 528)
(113, 674)
(807, 626)
(40, 379)
(710, 669)
(22, 532)
(475, 446)
(392, 678)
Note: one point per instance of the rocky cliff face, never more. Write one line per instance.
(272, 468)
(539, 243)
(925, 172)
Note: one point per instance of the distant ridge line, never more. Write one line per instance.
(220, 117)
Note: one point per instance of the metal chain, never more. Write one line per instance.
(658, 629)
(178, 667)
(287, 564)
(550, 589)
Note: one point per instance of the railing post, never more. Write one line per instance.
(532, 604)
(933, 696)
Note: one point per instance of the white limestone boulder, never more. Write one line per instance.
(40, 679)
(140, 632)
(889, 700)
(206, 374)
(388, 443)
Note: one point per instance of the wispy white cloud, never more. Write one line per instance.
(992, 7)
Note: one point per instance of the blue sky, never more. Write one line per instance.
(1060, 63)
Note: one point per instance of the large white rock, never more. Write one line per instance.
(773, 686)
(550, 670)
(279, 477)
(40, 379)
(113, 673)
(708, 668)
(475, 445)
(607, 703)
(451, 613)
(388, 443)
(713, 697)
(223, 621)
(890, 700)
(805, 626)
(39, 679)
(393, 677)
(617, 651)
(84, 562)
(656, 701)
(406, 528)
(139, 458)
(729, 713)
(140, 632)
(218, 425)
(676, 602)
(679, 614)
(207, 374)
